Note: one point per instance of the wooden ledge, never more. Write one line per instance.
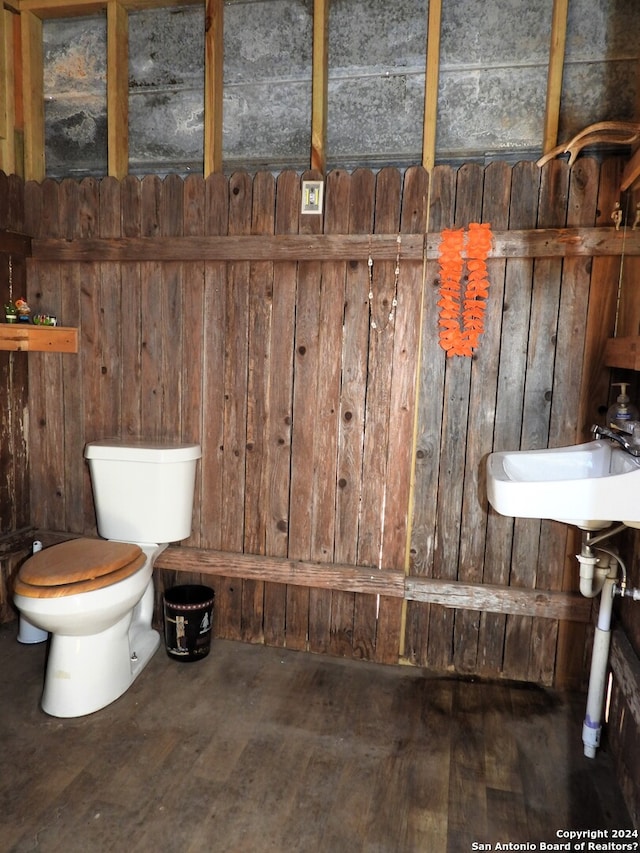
(23, 337)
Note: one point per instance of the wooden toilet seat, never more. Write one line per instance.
(79, 565)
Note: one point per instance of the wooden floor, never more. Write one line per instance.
(255, 749)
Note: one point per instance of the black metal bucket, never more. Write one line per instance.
(188, 611)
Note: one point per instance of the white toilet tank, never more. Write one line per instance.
(143, 491)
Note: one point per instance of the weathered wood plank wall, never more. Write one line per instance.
(14, 385)
(521, 390)
(623, 729)
(306, 413)
(234, 355)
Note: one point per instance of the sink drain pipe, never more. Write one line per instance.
(598, 576)
(592, 725)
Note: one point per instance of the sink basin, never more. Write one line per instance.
(590, 485)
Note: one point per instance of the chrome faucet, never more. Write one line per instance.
(631, 447)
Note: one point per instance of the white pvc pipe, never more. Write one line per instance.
(592, 568)
(592, 726)
(600, 573)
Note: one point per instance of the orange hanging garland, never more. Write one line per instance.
(462, 321)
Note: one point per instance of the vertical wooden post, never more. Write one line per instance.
(33, 95)
(117, 89)
(554, 76)
(4, 72)
(213, 85)
(319, 85)
(7, 96)
(432, 77)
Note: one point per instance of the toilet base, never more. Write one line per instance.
(84, 674)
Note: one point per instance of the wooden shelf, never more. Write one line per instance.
(623, 352)
(21, 337)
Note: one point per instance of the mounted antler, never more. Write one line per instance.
(611, 132)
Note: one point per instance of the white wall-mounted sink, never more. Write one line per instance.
(590, 485)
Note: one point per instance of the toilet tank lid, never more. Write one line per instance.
(139, 450)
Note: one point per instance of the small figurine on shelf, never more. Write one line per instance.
(24, 312)
(10, 312)
(45, 320)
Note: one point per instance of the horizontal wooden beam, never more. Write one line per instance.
(484, 597)
(75, 8)
(280, 570)
(281, 247)
(493, 598)
(539, 243)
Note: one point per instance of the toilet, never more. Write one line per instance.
(95, 596)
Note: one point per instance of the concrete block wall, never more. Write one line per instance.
(491, 100)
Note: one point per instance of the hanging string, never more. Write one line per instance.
(394, 301)
(619, 219)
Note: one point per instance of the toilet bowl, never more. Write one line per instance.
(96, 596)
(97, 604)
